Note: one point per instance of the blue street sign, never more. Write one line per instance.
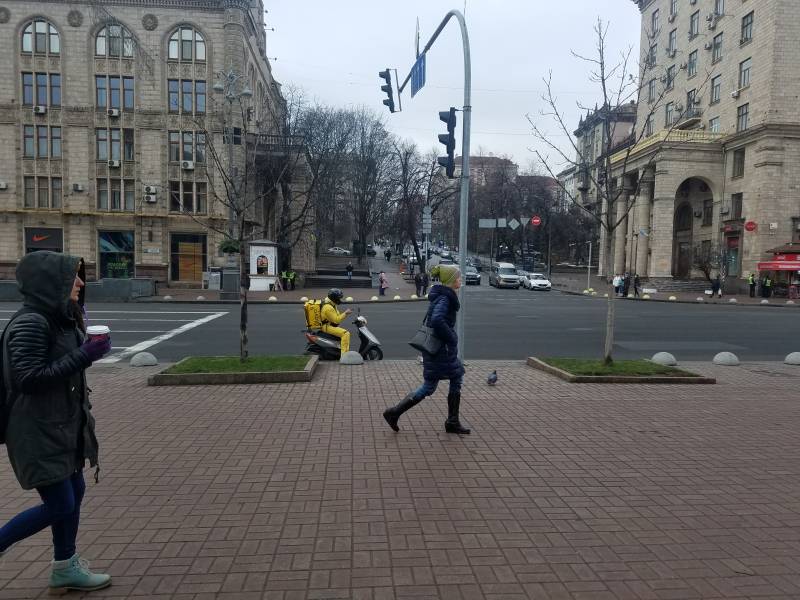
(418, 75)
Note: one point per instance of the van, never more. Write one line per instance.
(504, 274)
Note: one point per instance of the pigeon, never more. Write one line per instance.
(492, 379)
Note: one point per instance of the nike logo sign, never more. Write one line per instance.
(39, 238)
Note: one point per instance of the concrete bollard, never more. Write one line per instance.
(733, 301)
(765, 301)
(701, 299)
(167, 297)
(397, 298)
(646, 297)
(374, 299)
(201, 298)
(273, 299)
(304, 299)
(586, 292)
(672, 298)
(793, 359)
(790, 302)
(414, 297)
(348, 299)
(143, 359)
(726, 359)
(664, 358)
(351, 358)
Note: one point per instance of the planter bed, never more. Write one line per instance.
(228, 370)
(624, 371)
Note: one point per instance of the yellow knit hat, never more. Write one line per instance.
(447, 274)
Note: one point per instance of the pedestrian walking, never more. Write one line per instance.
(636, 285)
(383, 283)
(445, 364)
(716, 287)
(349, 270)
(425, 282)
(626, 285)
(49, 433)
(418, 284)
(752, 283)
(617, 282)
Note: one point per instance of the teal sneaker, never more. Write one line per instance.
(74, 574)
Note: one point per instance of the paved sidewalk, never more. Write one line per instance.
(564, 491)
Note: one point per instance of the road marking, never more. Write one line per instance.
(142, 346)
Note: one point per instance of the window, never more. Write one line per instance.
(113, 92)
(654, 21)
(651, 56)
(670, 77)
(719, 7)
(186, 45)
(187, 196)
(736, 206)
(742, 117)
(694, 25)
(127, 145)
(41, 89)
(55, 89)
(708, 212)
(673, 7)
(114, 41)
(42, 192)
(127, 93)
(116, 249)
(672, 45)
(55, 192)
(744, 73)
(651, 90)
(187, 145)
(669, 113)
(40, 37)
(116, 194)
(237, 136)
(27, 89)
(747, 28)
(28, 143)
(200, 148)
(55, 142)
(738, 162)
(716, 88)
(30, 192)
(186, 96)
(691, 104)
(101, 93)
(691, 65)
(41, 141)
(174, 146)
(649, 127)
(108, 144)
(716, 53)
(713, 125)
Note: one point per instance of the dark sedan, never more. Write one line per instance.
(472, 276)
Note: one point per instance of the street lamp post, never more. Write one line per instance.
(233, 88)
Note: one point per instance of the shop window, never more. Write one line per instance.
(188, 256)
(117, 258)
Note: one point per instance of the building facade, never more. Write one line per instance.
(109, 120)
(718, 130)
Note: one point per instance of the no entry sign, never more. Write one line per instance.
(536, 221)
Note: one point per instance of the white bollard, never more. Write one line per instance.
(664, 358)
(726, 359)
(273, 299)
(374, 299)
(672, 298)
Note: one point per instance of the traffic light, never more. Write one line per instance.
(449, 141)
(387, 76)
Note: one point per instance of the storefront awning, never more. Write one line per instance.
(788, 265)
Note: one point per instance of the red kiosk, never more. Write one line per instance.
(783, 269)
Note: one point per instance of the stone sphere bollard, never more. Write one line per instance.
(374, 299)
(733, 301)
(594, 293)
(351, 358)
(726, 359)
(765, 301)
(143, 359)
(586, 292)
(167, 297)
(646, 297)
(273, 299)
(672, 298)
(664, 358)
(397, 298)
(348, 299)
(414, 297)
(790, 302)
(201, 298)
(304, 299)
(793, 359)
(701, 299)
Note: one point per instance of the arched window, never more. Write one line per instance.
(186, 45)
(683, 217)
(40, 37)
(114, 41)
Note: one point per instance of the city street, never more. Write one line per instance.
(501, 324)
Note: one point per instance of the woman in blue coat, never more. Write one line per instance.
(445, 364)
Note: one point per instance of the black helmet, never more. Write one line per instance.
(335, 295)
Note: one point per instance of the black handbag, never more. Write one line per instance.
(425, 339)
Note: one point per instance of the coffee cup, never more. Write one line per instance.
(98, 331)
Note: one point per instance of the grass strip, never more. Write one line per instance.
(232, 364)
(625, 368)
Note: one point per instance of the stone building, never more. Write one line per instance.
(108, 121)
(717, 163)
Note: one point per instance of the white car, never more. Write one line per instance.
(537, 281)
(338, 251)
(504, 275)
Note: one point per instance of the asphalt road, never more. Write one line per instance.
(502, 324)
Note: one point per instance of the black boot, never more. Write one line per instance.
(392, 415)
(453, 425)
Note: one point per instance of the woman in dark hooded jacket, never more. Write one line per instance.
(50, 430)
(445, 364)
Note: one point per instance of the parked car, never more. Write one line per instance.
(472, 276)
(504, 275)
(475, 262)
(446, 261)
(371, 250)
(537, 281)
(338, 251)
(523, 278)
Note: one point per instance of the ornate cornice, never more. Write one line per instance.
(208, 5)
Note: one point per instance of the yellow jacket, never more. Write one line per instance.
(331, 315)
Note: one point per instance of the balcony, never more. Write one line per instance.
(583, 179)
(691, 117)
(686, 136)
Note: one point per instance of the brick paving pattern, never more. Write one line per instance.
(571, 492)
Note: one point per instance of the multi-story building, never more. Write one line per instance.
(567, 187)
(108, 121)
(716, 164)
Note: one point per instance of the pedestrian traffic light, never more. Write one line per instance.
(387, 76)
(449, 141)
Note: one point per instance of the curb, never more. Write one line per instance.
(249, 302)
(307, 374)
(665, 301)
(570, 378)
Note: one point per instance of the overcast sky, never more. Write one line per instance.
(334, 50)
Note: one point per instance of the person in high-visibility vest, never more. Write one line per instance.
(767, 287)
(752, 283)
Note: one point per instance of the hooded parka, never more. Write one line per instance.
(50, 431)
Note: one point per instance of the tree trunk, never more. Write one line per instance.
(244, 287)
(612, 297)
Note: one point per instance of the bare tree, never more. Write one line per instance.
(619, 83)
(710, 258)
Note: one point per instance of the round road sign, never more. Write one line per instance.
(536, 221)
(750, 226)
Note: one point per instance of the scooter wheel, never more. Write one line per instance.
(375, 354)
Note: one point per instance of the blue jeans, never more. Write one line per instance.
(61, 512)
(429, 387)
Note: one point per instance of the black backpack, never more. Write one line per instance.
(5, 373)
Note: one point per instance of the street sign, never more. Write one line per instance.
(750, 226)
(513, 223)
(487, 223)
(418, 75)
(426, 219)
(536, 220)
